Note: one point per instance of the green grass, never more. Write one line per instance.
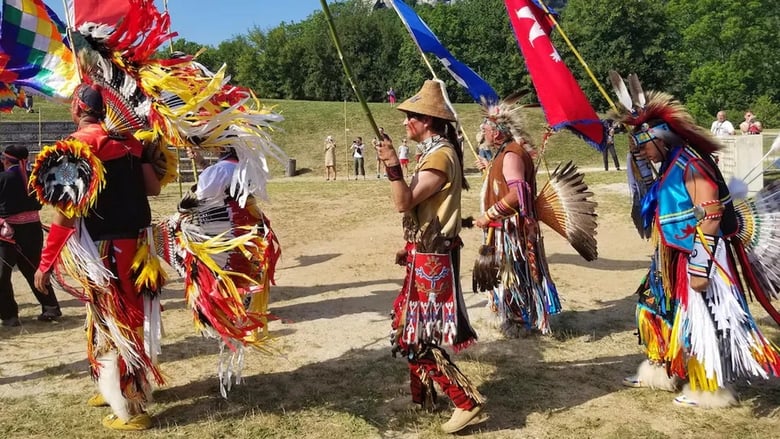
(44, 111)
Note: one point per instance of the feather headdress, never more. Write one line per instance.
(110, 57)
(648, 112)
(506, 116)
(178, 99)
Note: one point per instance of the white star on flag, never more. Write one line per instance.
(536, 30)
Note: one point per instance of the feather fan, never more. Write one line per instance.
(564, 204)
(759, 232)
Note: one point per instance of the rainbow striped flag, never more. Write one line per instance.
(33, 51)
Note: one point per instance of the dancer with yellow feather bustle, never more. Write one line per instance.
(692, 315)
(100, 198)
(512, 265)
(98, 179)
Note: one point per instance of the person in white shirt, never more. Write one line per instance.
(357, 154)
(721, 127)
(403, 156)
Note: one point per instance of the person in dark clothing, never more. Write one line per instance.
(610, 128)
(19, 210)
(117, 223)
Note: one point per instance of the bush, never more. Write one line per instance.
(766, 111)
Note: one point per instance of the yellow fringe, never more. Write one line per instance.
(146, 266)
(150, 137)
(697, 377)
(654, 348)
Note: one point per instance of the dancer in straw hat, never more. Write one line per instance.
(429, 311)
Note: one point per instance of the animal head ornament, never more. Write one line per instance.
(657, 115)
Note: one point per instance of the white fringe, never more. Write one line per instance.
(720, 309)
(86, 257)
(109, 385)
(721, 398)
(153, 330)
(655, 377)
(230, 366)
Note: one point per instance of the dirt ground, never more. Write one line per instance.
(335, 286)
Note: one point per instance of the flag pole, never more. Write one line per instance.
(430, 67)
(346, 140)
(347, 71)
(577, 55)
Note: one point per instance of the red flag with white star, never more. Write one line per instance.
(563, 101)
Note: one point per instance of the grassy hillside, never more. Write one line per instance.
(45, 110)
(307, 123)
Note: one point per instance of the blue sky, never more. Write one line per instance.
(213, 21)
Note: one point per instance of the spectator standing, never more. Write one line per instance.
(751, 125)
(403, 156)
(358, 150)
(19, 210)
(610, 127)
(391, 96)
(330, 158)
(721, 127)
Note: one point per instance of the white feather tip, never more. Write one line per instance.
(738, 188)
(775, 145)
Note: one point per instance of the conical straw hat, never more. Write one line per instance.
(429, 101)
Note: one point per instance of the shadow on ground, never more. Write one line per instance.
(371, 385)
(599, 264)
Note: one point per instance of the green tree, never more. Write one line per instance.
(629, 36)
(728, 51)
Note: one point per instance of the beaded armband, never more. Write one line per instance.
(499, 211)
(700, 259)
(708, 210)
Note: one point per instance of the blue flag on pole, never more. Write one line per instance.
(477, 87)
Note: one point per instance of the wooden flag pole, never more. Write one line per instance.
(347, 70)
(577, 55)
(433, 73)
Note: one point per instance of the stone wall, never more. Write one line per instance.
(33, 135)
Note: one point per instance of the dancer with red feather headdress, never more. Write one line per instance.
(693, 318)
